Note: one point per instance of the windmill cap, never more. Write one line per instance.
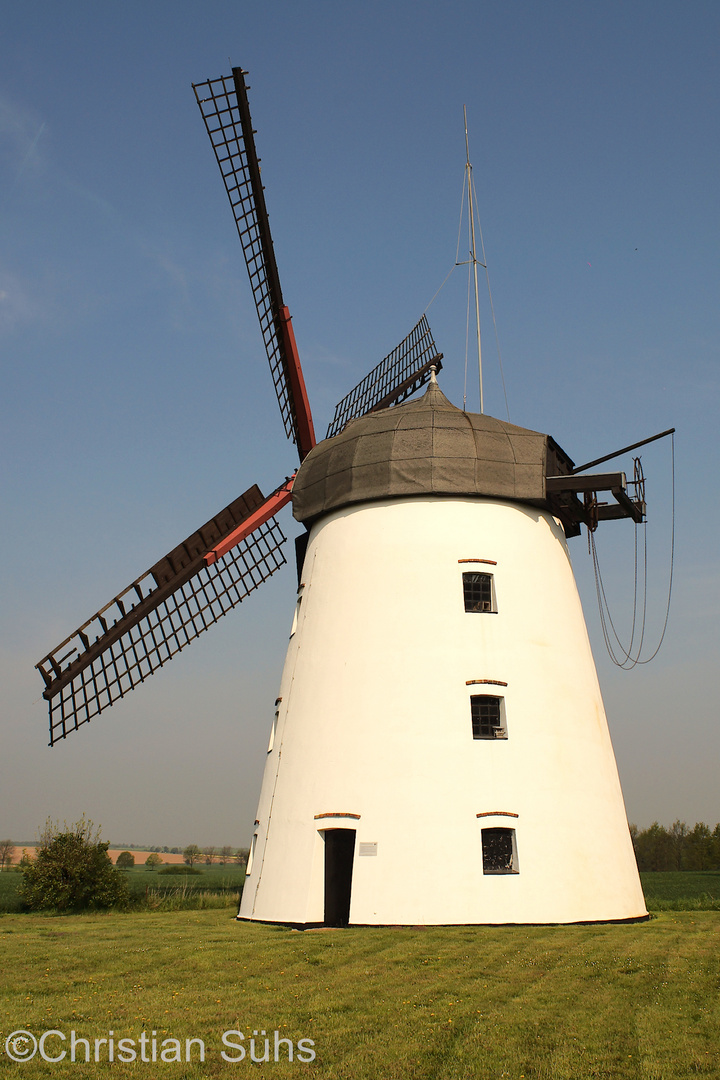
(425, 447)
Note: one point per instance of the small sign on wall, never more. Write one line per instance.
(367, 848)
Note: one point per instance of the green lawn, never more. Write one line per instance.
(548, 1003)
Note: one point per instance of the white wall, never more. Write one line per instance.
(375, 721)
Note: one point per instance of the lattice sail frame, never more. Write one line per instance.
(400, 374)
(226, 113)
(186, 592)
(147, 624)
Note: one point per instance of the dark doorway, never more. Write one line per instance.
(339, 851)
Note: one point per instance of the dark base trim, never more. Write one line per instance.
(411, 926)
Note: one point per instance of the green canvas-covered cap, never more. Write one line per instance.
(425, 447)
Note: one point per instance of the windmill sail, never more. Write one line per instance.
(225, 109)
(159, 614)
(395, 378)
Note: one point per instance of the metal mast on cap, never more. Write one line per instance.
(471, 221)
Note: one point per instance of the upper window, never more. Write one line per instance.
(499, 851)
(478, 592)
(488, 721)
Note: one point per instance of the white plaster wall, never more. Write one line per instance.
(375, 721)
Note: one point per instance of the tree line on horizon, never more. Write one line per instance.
(191, 854)
(677, 848)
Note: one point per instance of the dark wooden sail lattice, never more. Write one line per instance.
(224, 106)
(188, 590)
(156, 616)
(395, 378)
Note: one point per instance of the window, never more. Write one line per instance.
(488, 719)
(499, 851)
(478, 592)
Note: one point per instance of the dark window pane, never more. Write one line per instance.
(485, 713)
(477, 591)
(497, 849)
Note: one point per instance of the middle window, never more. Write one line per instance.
(487, 717)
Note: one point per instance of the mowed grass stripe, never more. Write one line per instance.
(638, 1000)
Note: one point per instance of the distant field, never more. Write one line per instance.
(620, 1002)
(213, 877)
(677, 885)
(140, 856)
(223, 882)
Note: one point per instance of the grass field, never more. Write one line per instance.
(681, 885)
(548, 1003)
(225, 881)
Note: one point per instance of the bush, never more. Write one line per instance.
(179, 868)
(125, 860)
(72, 871)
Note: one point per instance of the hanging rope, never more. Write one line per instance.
(630, 657)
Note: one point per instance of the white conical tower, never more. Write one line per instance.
(440, 752)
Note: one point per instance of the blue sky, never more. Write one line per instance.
(136, 398)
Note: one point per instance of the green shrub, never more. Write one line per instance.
(72, 871)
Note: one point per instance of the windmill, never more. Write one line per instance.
(439, 751)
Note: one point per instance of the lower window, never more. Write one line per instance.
(499, 851)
